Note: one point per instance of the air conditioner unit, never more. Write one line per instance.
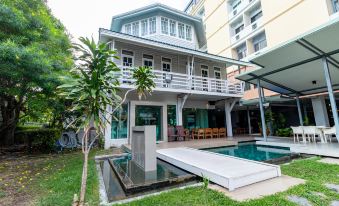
(237, 37)
(254, 26)
(235, 12)
(168, 78)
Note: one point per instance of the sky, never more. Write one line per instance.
(85, 17)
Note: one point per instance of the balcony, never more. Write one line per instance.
(247, 31)
(183, 83)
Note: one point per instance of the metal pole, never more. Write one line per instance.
(262, 111)
(299, 111)
(331, 95)
(249, 121)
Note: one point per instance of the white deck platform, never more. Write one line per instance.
(227, 171)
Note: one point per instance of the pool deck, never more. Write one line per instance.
(227, 171)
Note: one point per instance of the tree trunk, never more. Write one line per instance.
(85, 151)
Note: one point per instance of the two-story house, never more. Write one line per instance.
(191, 85)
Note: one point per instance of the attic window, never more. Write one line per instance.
(164, 25)
(188, 33)
(128, 29)
(152, 25)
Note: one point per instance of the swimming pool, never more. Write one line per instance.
(252, 151)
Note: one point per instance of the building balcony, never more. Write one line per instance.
(247, 31)
(183, 83)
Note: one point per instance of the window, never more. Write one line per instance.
(235, 4)
(173, 28)
(188, 33)
(172, 115)
(144, 27)
(166, 64)
(335, 6)
(135, 28)
(148, 60)
(164, 25)
(247, 86)
(242, 51)
(119, 123)
(128, 29)
(259, 42)
(152, 25)
(127, 58)
(181, 30)
(204, 73)
(256, 16)
(239, 29)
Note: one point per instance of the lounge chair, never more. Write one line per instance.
(328, 133)
(297, 131)
(311, 132)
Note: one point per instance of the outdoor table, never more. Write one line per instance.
(322, 136)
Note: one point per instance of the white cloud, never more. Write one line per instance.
(85, 17)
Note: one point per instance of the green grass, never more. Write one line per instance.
(62, 176)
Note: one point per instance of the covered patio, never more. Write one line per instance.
(305, 66)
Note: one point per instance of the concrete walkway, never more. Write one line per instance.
(227, 171)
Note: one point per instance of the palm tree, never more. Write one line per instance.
(92, 88)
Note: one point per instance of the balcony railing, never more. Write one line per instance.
(186, 83)
(246, 31)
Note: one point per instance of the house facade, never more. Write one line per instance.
(192, 88)
(243, 29)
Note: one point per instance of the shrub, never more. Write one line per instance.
(284, 132)
(42, 140)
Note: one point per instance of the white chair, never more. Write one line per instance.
(296, 132)
(311, 132)
(328, 133)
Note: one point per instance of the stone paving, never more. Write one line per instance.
(301, 201)
(334, 203)
(333, 187)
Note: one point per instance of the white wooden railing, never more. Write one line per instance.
(178, 81)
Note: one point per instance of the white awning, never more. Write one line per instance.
(296, 67)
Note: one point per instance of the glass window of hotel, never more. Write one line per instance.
(217, 73)
(235, 4)
(181, 30)
(166, 64)
(239, 28)
(164, 25)
(119, 123)
(188, 33)
(335, 5)
(256, 16)
(148, 60)
(259, 42)
(127, 58)
(242, 51)
(128, 29)
(135, 28)
(144, 27)
(173, 28)
(152, 25)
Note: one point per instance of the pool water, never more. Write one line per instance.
(252, 151)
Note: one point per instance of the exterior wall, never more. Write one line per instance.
(281, 21)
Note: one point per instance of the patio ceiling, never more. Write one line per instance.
(296, 67)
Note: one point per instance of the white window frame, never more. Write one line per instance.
(204, 69)
(172, 28)
(189, 33)
(217, 70)
(164, 25)
(135, 28)
(128, 56)
(128, 29)
(152, 28)
(148, 59)
(162, 62)
(144, 27)
(183, 34)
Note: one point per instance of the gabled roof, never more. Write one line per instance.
(118, 20)
(105, 33)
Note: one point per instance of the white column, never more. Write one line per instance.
(229, 104)
(331, 95)
(320, 111)
(249, 121)
(262, 111)
(299, 111)
(179, 111)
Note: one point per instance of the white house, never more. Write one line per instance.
(191, 85)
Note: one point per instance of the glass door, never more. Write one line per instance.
(149, 115)
(204, 73)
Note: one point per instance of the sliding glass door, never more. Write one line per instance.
(149, 115)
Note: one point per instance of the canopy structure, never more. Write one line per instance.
(296, 67)
(308, 64)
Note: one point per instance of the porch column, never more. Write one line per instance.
(262, 111)
(331, 95)
(229, 104)
(180, 106)
(299, 111)
(249, 121)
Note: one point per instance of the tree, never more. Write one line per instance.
(93, 88)
(34, 52)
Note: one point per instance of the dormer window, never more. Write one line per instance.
(188, 33)
(173, 26)
(144, 27)
(164, 25)
(135, 28)
(152, 25)
(128, 29)
(181, 30)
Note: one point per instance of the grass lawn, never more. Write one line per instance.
(59, 178)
